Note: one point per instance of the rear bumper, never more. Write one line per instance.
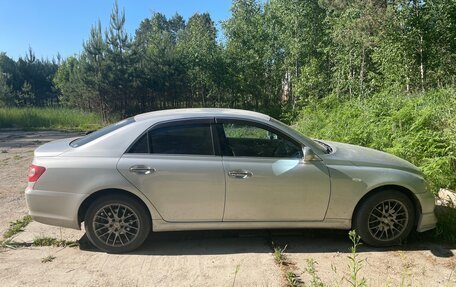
(54, 207)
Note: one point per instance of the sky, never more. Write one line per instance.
(60, 26)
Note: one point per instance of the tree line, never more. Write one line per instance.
(273, 56)
(28, 81)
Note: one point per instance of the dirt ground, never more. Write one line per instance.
(206, 258)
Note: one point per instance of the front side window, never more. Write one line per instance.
(195, 139)
(245, 139)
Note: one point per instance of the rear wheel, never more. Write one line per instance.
(117, 223)
(385, 218)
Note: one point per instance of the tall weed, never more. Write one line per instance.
(420, 128)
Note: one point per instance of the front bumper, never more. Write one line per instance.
(427, 219)
(54, 207)
(426, 222)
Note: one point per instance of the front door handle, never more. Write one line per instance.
(240, 173)
(142, 169)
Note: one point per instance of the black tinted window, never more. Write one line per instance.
(243, 139)
(101, 132)
(141, 145)
(182, 139)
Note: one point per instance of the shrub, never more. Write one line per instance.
(420, 128)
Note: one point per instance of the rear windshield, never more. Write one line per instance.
(101, 132)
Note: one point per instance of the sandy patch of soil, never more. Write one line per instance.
(16, 154)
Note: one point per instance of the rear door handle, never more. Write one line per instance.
(142, 169)
(240, 173)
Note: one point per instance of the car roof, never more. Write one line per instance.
(200, 112)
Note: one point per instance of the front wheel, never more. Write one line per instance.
(117, 223)
(386, 218)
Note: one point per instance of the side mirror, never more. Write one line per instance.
(308, 154)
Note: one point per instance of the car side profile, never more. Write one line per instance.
(201, 169)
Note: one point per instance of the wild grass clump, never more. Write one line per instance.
(17, 226)
(279, 256)
(49, 118)
(420, 128)
(51, 241)
(355, 264)
(311, 269)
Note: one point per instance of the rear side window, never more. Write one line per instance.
(184, 139)
(101, 132)
(195, 139)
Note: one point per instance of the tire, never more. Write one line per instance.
(117, 223)
(385, 218)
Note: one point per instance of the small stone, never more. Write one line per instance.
(446, 197)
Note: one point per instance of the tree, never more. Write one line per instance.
(7, 73)
(69, 80)
(198, 47)
(302, 38)
(5, 89)
(244, 55)
(275, 56)
(26, 96)
(160, 69)
(93, 61)
(38, 75)
(118, 60)
(354, 27)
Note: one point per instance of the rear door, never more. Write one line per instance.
(175, 165)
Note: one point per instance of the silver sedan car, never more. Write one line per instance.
(200, 169)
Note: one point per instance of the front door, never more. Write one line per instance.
(266, 180)
(175, 166)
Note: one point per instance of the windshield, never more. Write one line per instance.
(316, 144)
(101, 132)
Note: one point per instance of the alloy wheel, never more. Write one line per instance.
(116, 225)
(388, 220)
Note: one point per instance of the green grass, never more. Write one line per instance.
(312, 271)
(50, 241)
(355, 264)
(292, 279)
(420, 128)
(49, 118)
(17, 226)
(279, 256)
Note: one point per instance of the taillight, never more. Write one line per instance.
(35, 172)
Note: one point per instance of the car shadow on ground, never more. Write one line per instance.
(262, 241)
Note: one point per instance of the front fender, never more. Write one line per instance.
(350, 183)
